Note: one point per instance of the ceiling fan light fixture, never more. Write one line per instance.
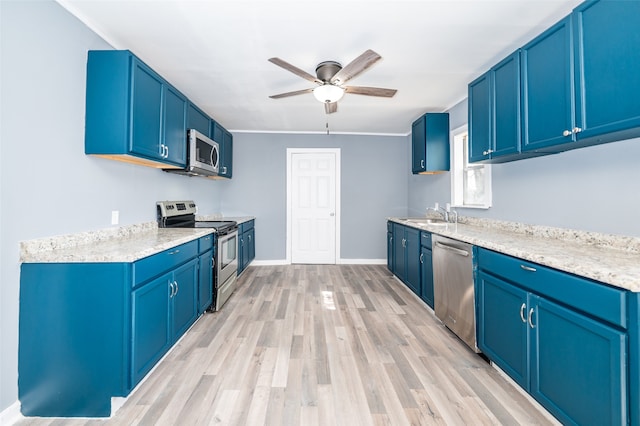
(328, 93)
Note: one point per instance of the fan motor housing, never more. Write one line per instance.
(327, 69)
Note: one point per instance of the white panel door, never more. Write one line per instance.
(313, 208)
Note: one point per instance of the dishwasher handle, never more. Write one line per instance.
(453, 249)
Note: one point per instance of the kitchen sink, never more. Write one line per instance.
(427, 221)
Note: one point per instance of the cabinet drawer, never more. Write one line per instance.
(425, 239)
(205, 243)
(155, 265)
(243, 227)
(593, 298)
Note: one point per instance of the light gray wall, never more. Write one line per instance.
(374, 176)
(591, 189)
(48, 186)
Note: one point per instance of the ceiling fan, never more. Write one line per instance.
(331, 77)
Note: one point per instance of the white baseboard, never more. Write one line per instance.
(339, 262)
(269, 262)
(362, 262)
(11, 415)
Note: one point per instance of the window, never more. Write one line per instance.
(470, 183)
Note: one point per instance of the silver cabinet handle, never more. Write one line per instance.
(566, 133)
(577, 130)
(171, 290)
(249, 236)
(422, 164)
(224, 170)
(174, 252)
(522, 309)
(530, 317)
(487, 152)
(421, 257)
(452, 249)
(528, 268)
(176, 283)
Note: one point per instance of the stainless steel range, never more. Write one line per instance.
(182, 214)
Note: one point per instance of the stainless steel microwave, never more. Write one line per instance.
(203, 156)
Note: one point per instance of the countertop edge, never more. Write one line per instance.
(576, 252)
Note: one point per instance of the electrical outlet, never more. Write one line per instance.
(115, 217)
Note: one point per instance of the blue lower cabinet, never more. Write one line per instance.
(205, 281)
(163, 310)
(151, 336)
(404, 248)
(571, 361)
(426, 272)
(578, 366)
(91, 331)
(73, 338)
(246, 244)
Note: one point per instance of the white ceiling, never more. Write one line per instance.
(216, 53)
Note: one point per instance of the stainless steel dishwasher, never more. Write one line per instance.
(453, 296)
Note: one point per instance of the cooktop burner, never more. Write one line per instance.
(182, 214)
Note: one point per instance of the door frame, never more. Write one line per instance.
(290, 153)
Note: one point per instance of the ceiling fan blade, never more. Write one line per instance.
(287, 94)
(355, 67)
(370, 91)
(297, 71)
(330, 107)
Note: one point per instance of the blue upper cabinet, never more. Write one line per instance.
(132, 114)
(196, 119)
(225, 141)
(494, 112)
(174, 126)
(607, 72)
(480, 118)
(547, 88)
(430, 143)
(578, 84)
(506, 107)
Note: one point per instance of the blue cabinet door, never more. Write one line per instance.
(205, 281)
(607, 62)
(175, 126)
(196, 119)
(390, 251)
(184, 301)
(399, 253)
(506, 107)
(502, 326)
(547, 84)
(430, 143)
(151, 333)
(578, 366)
(226, 155)
(418, 149)
(146, 120)
(412, 259)
(252, 245)
(480, 118)
(225, 141)
(426, 271)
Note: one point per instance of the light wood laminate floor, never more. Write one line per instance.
(321, 345)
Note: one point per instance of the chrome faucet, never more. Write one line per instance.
(439, 210)
(446, 214)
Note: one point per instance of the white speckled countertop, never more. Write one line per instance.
(610, 259)
(210, 217)
(124, 244)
